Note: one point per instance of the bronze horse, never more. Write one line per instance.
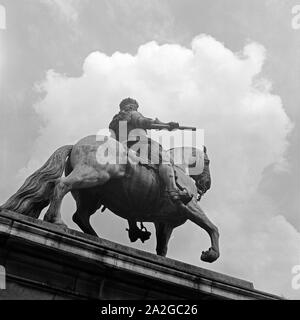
(129, 189)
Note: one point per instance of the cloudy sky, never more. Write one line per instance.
(228, 67)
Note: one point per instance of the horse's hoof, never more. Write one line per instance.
(145, 235)
(133, 236)
(60, 224)
(210, 255)
(47, 218)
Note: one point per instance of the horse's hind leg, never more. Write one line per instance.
(133, 231)
(81, 177)
(87, 205)
(53, 213)
(163, 234)
(82, 219)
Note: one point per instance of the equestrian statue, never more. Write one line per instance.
(128, 173)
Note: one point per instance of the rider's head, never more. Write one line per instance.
(129, 104)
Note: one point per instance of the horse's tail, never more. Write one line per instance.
(34, 195)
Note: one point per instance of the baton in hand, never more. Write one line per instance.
(166, 126)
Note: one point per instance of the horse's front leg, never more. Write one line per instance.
(163, 234)
(133, 230)
(196, 214)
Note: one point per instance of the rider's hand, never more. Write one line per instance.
(173, 125)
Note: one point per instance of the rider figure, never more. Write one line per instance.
(135, 120)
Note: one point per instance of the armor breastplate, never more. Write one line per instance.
(124, 129)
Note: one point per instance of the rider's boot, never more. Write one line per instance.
(177, 195)
(166, 172)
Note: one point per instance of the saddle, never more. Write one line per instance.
(153, 160)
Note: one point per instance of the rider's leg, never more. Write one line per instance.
(167, 174)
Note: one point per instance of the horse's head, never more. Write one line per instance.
(203, 180)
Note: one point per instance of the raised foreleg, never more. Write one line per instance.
(196, 214)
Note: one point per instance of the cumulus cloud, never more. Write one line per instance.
(246, 129)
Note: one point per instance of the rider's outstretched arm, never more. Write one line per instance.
(140, 121)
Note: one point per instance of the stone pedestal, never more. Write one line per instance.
(42, 261)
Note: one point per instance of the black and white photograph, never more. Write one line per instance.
(149, 150)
